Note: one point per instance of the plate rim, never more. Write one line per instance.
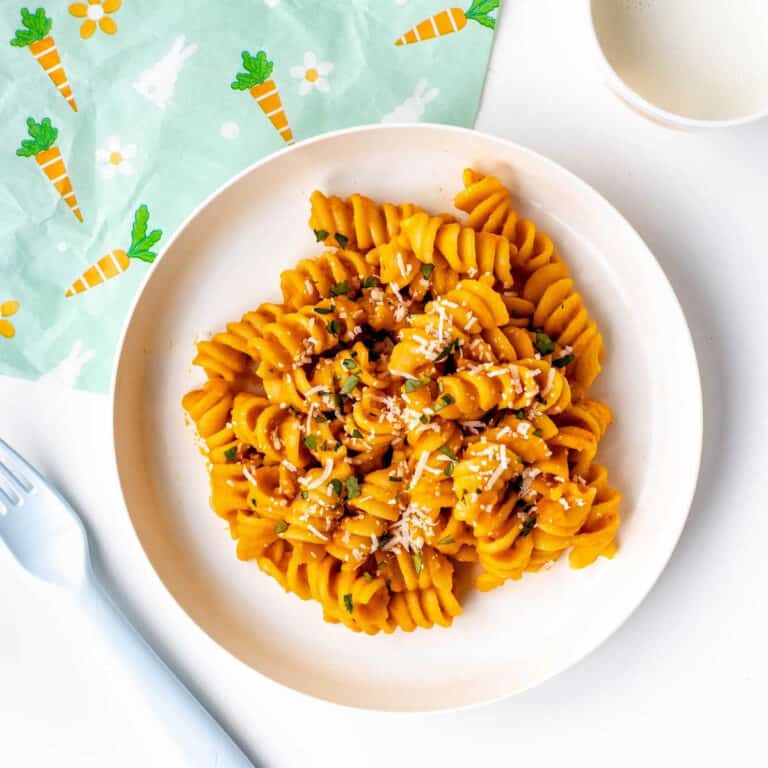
(695, 439)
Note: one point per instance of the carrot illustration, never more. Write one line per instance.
(36, 36)
(42, 147)
(257, 80)
(451, 20)
(117, 261)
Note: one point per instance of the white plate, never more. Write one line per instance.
(226, 259)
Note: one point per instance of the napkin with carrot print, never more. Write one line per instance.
(118, 117)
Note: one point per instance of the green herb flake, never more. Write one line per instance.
(311, 442)
(520, 413)
(368, 577)
(357, 433)
(369, 282)
(349, 363)
(333, 326)
(426, 270)
(348, 602)
(340, 289)
(350, 384)
(230, 454)
(305, 494)
(446, 451)
(537, 432)
(445, 541)
(424, 419)
(320, 235)
(528, 525)
(341, 240)
(411, 385)
(336, 486)
(418, 561)
(543, 343)
(449, 349)
(444, 401)
(448, 471)
(353, 487)
(323, 310)
(561, 362)
(281, 527)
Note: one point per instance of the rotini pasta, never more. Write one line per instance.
(418, 405)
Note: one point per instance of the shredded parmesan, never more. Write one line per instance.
(312, 529)
(320, 480)
(419, 468)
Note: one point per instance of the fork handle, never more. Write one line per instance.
(198, 738)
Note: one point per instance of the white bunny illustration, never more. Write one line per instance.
(67, 372)
(157, 82)
(411, 110)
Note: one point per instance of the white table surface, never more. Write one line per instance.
(683, 678)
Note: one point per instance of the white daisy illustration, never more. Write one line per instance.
(312, 74)
(115, 158)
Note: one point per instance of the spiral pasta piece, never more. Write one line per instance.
(359, 219)
(334, 273)
(467, 252)
(489, 207)
(561, 313)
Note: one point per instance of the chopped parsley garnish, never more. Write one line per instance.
(341, 240)
(336, 486)
(349, 363)
(320, 235)
(561, 362)
(448, 471)
(333, 326)
(369, 282)
(446, 451)
(426, 270)
(353, 487)
(357, 433)
(304, 494)
(528, 525)
(230, 454)
(543, 343)
(340, 289)
(350, 384)
(520, 413)
(418, 561)
(368, 577)
(445, 541)
(537, 432)
(449, 349)
(424, 419)
(311, 442)
(444, 401)
(411, 385)
(281, 527)
(384, 539)
(348, 602)
(325, 310)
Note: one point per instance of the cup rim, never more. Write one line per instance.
(648, 108)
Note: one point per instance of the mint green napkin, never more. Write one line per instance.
(117, 119)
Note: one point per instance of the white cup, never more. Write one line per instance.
(685, 63)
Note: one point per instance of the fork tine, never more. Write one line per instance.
(14, 480)
(17, 478)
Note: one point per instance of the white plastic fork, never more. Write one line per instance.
(48, 539)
